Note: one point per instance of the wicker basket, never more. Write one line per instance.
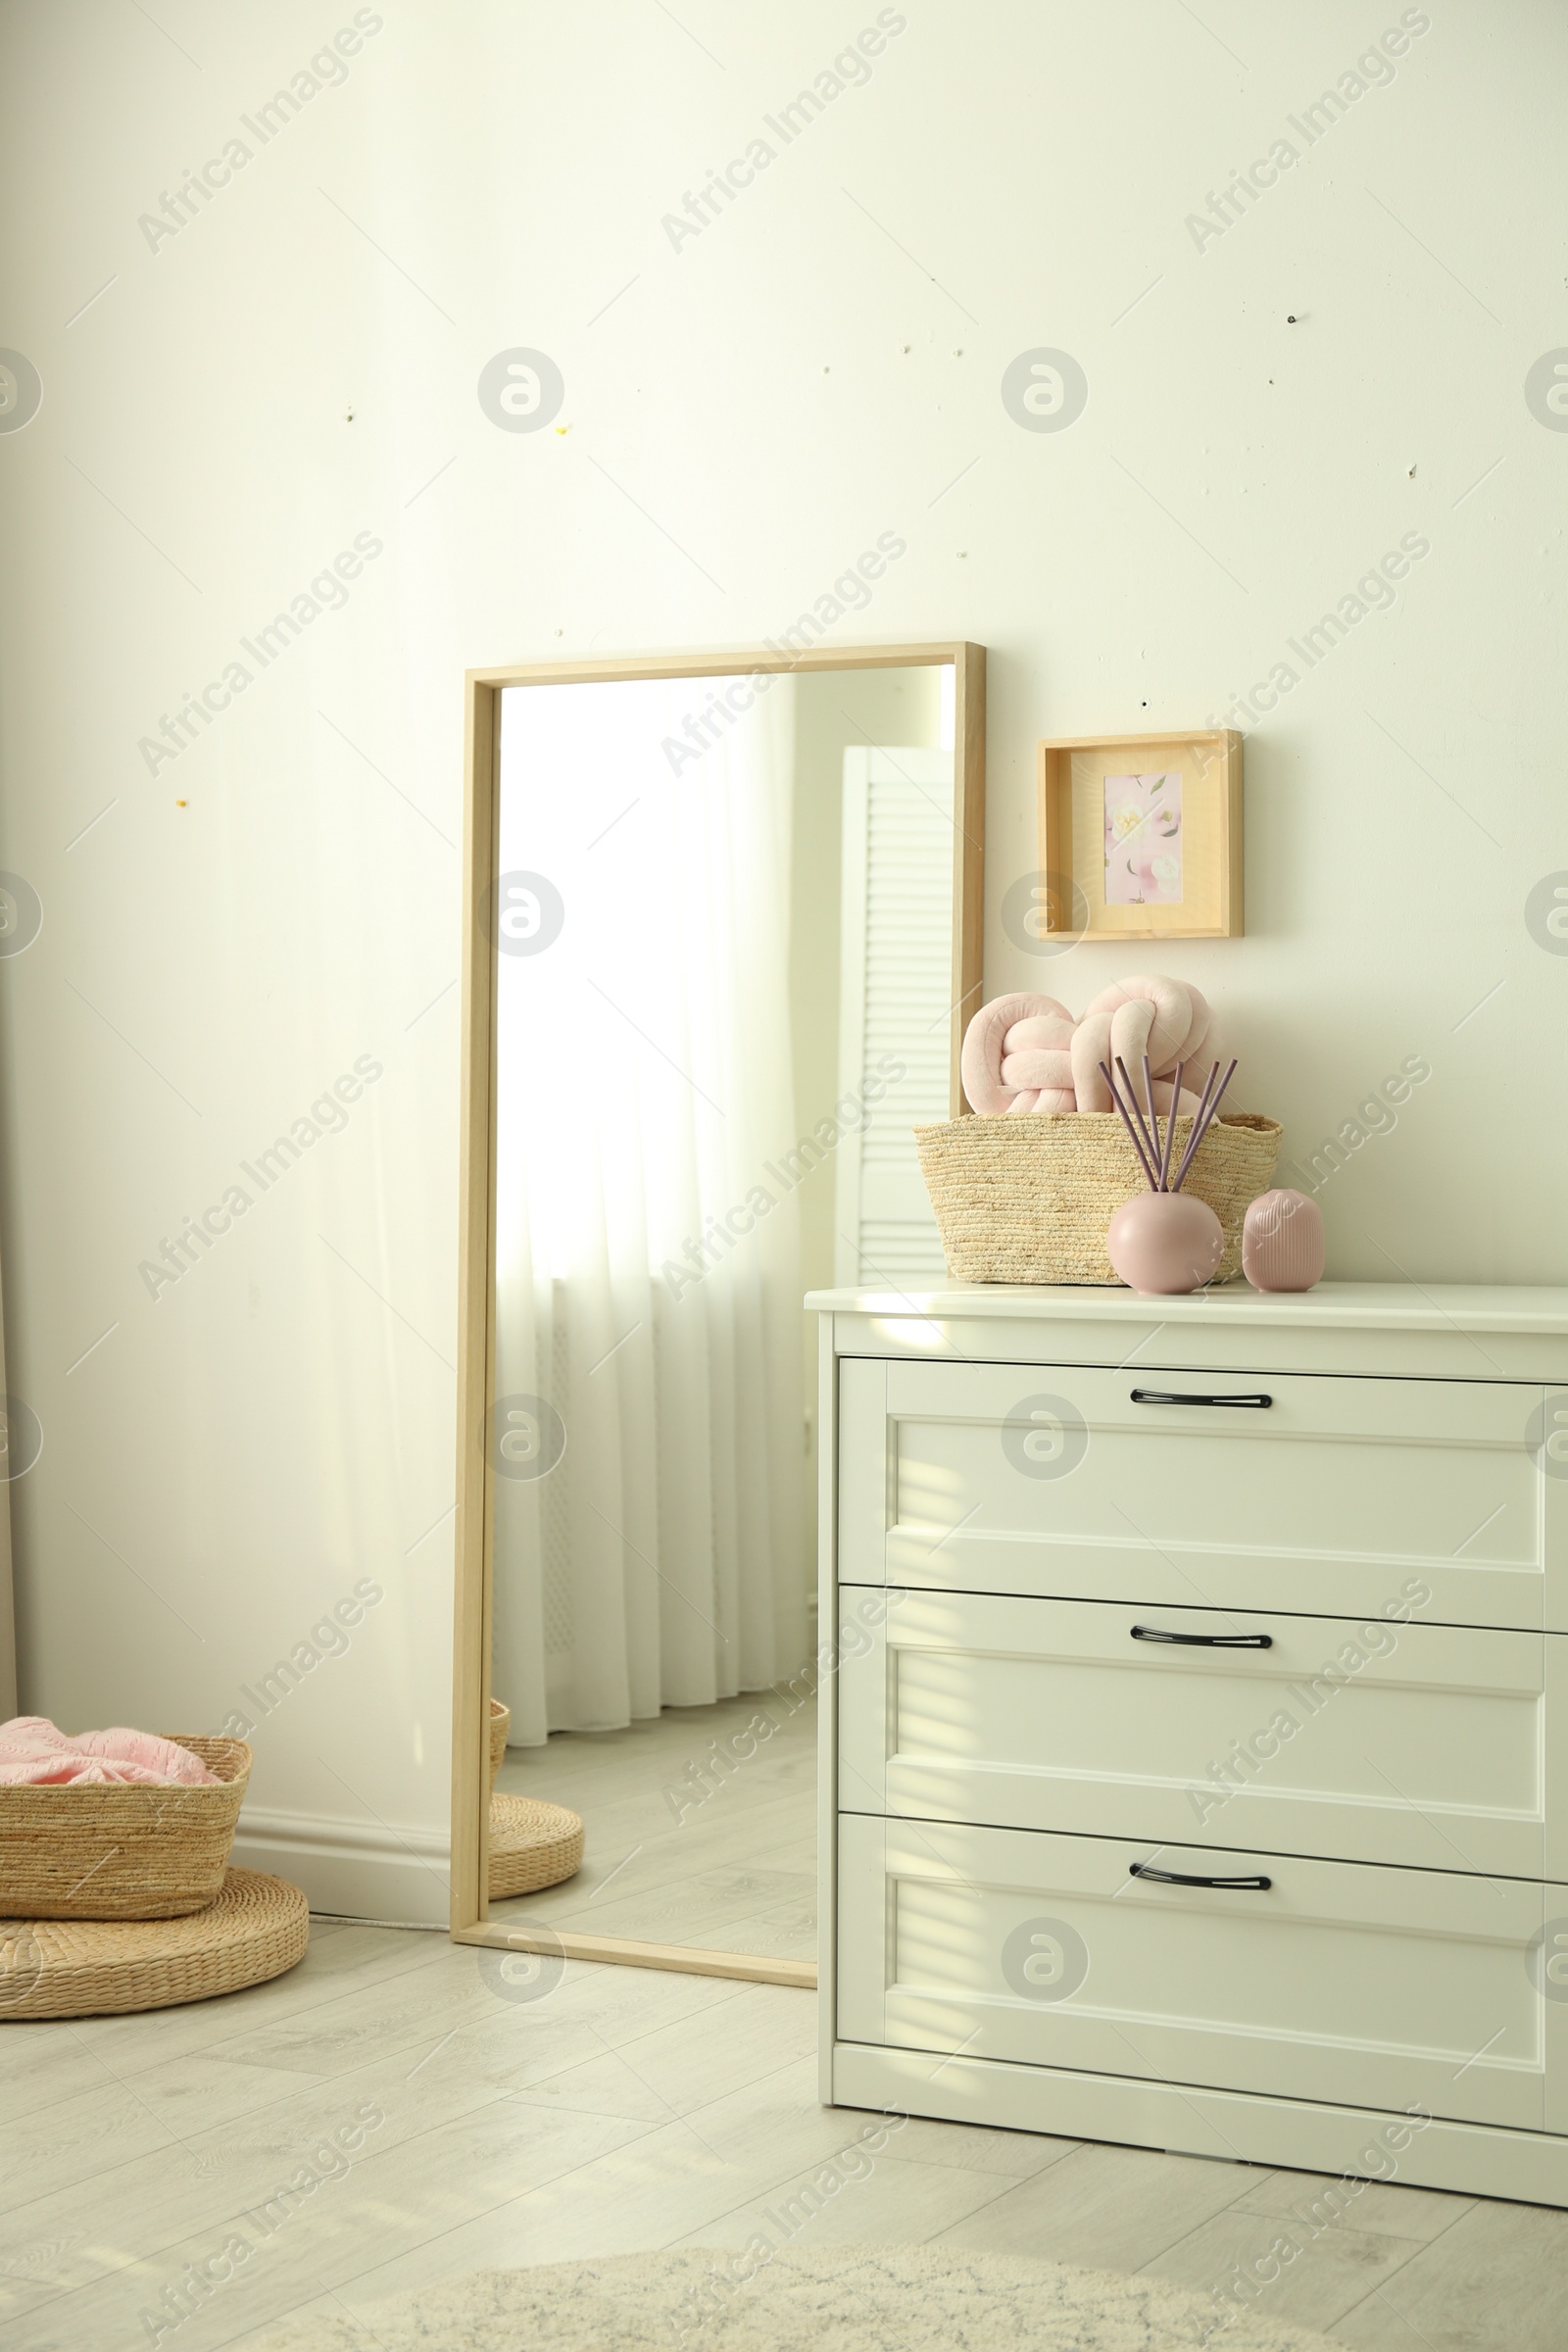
(500, 1726)
(1026, 1198)
(114, 1850)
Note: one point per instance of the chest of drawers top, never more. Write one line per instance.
(1435, 1330)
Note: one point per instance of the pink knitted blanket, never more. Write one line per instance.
(34, 1753)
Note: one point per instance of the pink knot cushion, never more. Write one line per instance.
(1028, 1053)
(1016, 1056)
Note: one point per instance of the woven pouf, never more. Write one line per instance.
(258, 1926)
(532, 1844)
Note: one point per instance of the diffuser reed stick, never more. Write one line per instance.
(1149, 1141)
(1209, 1088)
(1170, 1127)
(1135, 1133)
(1154, 1156)
(1199, 1116)
(1202, 1124)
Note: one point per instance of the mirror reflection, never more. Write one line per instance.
(724, 1002)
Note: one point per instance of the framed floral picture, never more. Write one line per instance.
(1144, 839)
(1141, 835)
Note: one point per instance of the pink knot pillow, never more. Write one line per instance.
(1028, 1053)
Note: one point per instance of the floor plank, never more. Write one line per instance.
(1384, 2206)
(1272, 2267)
(882, 2201)
(677, 1849)
(1495, 2282)
(1106, 2208)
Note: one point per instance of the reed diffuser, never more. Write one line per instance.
(1164, 1241)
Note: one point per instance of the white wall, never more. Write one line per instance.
(744, 413)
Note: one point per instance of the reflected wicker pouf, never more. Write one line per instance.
(258, 1926)
(532, 1844)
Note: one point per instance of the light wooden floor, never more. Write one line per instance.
(732, 1870)
(603, 2110)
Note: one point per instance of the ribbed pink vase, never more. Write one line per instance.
(1282, 1241)
(1162, 1244)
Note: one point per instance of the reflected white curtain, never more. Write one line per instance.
(649, 1282)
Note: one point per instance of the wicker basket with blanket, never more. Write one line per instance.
(118, 1850)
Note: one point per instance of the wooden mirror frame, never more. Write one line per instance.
(473, 1600)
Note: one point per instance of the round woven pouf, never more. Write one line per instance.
(532, 1844)
(258, 1926)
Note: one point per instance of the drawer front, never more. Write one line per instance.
(1359, 1740)
(1338, 1981)
(1057, 1480)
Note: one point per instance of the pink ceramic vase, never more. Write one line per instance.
(1164, 1242)
(1282, 1243)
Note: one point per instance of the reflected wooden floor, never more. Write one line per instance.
(700, 1832)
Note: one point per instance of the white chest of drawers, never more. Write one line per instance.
(1194, 1772)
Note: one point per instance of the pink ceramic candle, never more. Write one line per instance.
(1162, 1244)
(1282, 1241)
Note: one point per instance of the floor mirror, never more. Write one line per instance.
(722, 937)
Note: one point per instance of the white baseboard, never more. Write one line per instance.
(355, 1869)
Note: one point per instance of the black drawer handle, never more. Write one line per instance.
(1179, 1878)
(1258, 1403)
(1150, 1633)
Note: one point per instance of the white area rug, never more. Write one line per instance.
(840, 2299)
